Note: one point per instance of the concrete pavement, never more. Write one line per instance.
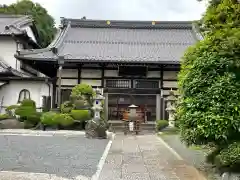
(145, 157)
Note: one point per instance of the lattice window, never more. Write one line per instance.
(117, 83)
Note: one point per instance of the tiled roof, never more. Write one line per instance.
(6, 69)
(118, 41)
(12, 24)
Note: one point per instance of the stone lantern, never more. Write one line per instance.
(96, 128)
(171, 109)
(97, 105)
(133, 123)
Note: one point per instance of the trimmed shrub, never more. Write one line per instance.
(24, 111)
(79, 104)
(27, 108)
(82, 89)
(161, 124)
(80, 115)
(4, 116)
(28, 102)
(229, 158)
(48, 119)
(66, 107)
(10, 110)
(34, 118)
(63, 119)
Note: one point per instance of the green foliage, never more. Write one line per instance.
(10, 110)
(79, 104)
(12, 107)
(229, 157)
(29, 103)
(48, 119)
(82, 89)
(44, 22)
(63, 119)
(4, 116)
(80, 115)
(221, 14)
(209, 83)
(66, 107)
(161, 124)
(26, 108)
(34, 118)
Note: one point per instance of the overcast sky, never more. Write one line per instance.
(123, 9)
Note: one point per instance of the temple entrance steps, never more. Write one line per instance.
(118, 126)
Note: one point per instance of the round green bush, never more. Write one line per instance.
(80, 115)
(24, 111)
(34, 118)
(161, 124)
(28, 102)
(48, 119)
(229, 157)
(63, 119)
(82, 89)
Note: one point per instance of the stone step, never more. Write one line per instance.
(119, 126)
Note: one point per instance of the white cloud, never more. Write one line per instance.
(123, 9)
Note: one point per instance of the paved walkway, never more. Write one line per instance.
(145, 157)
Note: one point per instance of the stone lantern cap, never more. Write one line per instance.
(132, 106)
(171, 108)
(98, 91)
(171, 96)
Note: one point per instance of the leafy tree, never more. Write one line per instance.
(209, 82)
(44, 22)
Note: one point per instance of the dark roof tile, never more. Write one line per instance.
(121, 41)
(13, 24)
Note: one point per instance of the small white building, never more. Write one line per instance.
(19, 81)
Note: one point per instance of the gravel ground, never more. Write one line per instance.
(192, 156)
(65, 156)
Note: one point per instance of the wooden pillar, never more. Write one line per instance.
(106, 106)
(60, 63)
(158, 107)
(161, 96)
(79, 74)
(102, 75)
(59, 85)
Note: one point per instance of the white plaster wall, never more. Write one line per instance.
(170, 74)
(69, 73)
(29, 33)
(91, 82)
(68, 82)
(111, 73)
(37, 89)
(153, 74)
(7, 50)
(170, 84)
(91, 73)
